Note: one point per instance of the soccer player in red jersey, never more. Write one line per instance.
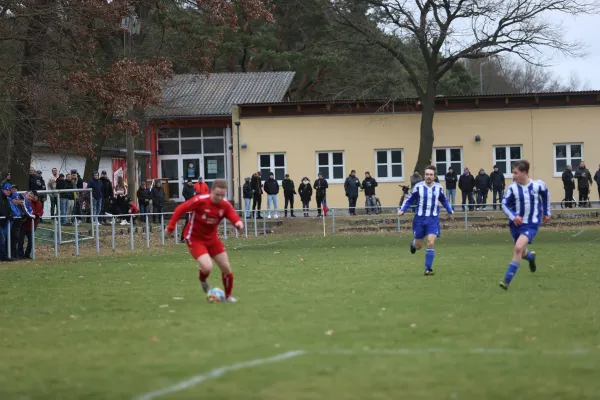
(200, 232)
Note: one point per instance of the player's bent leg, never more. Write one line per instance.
(520, 245)
(222, 260)
(205, 268)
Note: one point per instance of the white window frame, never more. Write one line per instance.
(272, 163)
(509, 161)
(389, 164)
(330, 165)
(558, 174)
(448, 161)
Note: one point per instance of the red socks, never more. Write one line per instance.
(228, 284)
(203, 277)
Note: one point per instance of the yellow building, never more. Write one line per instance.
(549, 130)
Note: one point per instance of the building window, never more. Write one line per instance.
(272, 162)
(331, 165)
(505, 156)
(389, 165)
(567, 154)
(447, 157)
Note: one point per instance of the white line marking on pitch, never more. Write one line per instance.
(578, 233)
(215, 373)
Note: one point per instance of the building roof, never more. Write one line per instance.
(196, 95)
(411, 105)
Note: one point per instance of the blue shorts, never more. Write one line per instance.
(424, 226)
(529, 230)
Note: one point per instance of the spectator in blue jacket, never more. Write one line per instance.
(97, 187)
(17, 223)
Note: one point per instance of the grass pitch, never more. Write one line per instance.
(369, 323)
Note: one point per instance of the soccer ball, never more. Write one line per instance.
(215, 295)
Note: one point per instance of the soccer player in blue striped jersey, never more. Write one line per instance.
(527, 204)
(426, 224)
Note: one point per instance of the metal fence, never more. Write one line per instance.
(139, 228)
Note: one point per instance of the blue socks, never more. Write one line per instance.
(429, 256)
(528, 256)
(511, 271)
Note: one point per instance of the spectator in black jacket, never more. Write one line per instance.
(247, 194)
(158, 200)
(320, 186)
(483, 185)
(188, 192)
(466, 184)
(272, 189)
(305, 191)
(584, 182)
(451, 180)
(61, 184)
(257, 191)
(568, 181)
(498, 185)
(289, 190)
(597, 179)
(369, 184)
(143, 198)
(6, 215)
(351, 187)
(97, 187)
(107, 193)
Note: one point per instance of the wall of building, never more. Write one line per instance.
(536, 131)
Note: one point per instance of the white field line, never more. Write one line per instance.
(215, 373)
(578, 233)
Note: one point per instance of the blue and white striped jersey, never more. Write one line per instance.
(531, 202)
(427, 200)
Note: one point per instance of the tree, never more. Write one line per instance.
(449, 31)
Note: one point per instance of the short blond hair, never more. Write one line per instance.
(219, 184)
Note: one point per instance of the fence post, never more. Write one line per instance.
(333, 220)
(245, 225)
(58, 218)
(162, 229)
(225, 228)
(112, 228)
(147, 233)
(9, 243)
(56, 225)
(255, 227)
(131, 231)
(176, 231)
(77, 240)
(466, 219)
(97, 237)
(33, 240)
(264, 226)
(398, 222)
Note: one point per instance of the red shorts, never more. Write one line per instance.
(198, 247)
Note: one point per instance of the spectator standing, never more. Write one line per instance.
(351, 187)
(369, 184)
(415, 178)
(584, 182)
(17, 212)
(466, 184)
(32, 179)
(40, 186)
(107, 193)
(158, 200)
(257, 190)
(97, 187)
(120, 205)
(54, 196)
(289, 190)
(498, 185)
(451, 180)
(7, 180)
(568, 181)
(35, 210)
(483, 185)
(320, 187)
(5, 217)
(143, 197)
(247, 192)
(61, 184)
(272, 189)
(201, 187)
(188, 192)
(597, 179)
(305, 191)
(73, 207)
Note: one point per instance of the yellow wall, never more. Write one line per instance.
(537, 130)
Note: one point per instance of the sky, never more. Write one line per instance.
(586, 30)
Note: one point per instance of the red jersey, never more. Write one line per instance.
(205, 217)
(133, 209)
(38, 210)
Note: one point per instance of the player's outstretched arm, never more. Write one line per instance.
(445, 203)
(232, 216)
(181, 210)
(414, 194)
